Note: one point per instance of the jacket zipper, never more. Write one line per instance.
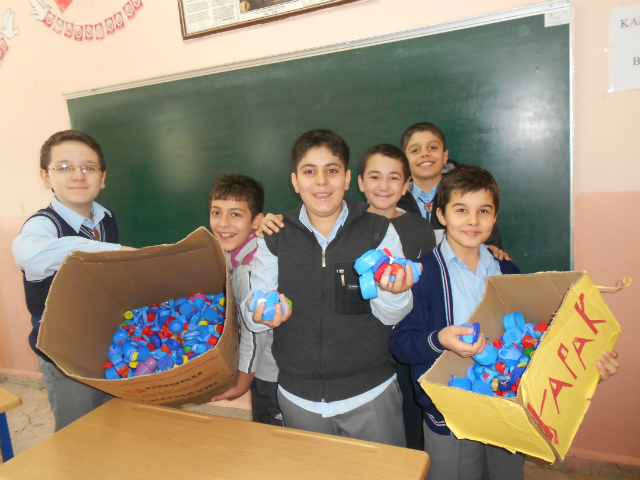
(324, 263)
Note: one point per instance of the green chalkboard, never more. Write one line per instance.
(500, 92)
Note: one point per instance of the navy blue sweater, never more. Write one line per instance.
(415, 338)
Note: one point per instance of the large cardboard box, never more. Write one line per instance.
(556, 389)
(91, 292)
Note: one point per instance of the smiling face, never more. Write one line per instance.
(74, 189)
(383, 184)
(321, 180)
(469, 220)
(427, 156)
(231, 222)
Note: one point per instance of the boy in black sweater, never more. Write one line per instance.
(332, 347)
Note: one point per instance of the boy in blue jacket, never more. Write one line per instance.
(451, 287)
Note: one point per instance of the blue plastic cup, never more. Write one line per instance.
(510, 355)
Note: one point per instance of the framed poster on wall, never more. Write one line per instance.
(206, 17)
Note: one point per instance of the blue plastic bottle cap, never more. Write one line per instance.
(165, 363)
(512, 335)
(487, 356)
(269, 312)
(471, 374)
(473, 337)
(366, 261)
(512, 320)
(175, 326)
(259, 296)
(368, 288)
(172, 344)
(461, 382)
(379, 262)
(482, 388)
(111, 374)
(273, 297)
(517, 373)
(210, 314)
(119, 337)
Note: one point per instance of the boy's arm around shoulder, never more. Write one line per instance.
(415, 339)
(39, 252)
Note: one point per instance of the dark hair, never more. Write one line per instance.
(240, 188)
(467, 179)
(422, 127)
(316, 139)
(387, 150)
(70, 136)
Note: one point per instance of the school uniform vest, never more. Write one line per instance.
(36, 292)
(332, 347)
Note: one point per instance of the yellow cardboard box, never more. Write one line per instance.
(556, 389)
(91, 292)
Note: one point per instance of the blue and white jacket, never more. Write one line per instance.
(415, 339)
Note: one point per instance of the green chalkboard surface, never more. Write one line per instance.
(500, 92)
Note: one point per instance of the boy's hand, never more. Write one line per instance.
(242, 387)
(497, 253)
(449, 337)
(270, 223)
(402, 283)
(278, 319)
(608, 365)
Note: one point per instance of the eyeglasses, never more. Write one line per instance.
(68, 169)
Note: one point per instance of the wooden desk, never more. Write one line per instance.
(124, 440)
(8, 401)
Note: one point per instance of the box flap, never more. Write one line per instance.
(557, 387)
(492, 420)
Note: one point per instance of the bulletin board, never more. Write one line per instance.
(501, 92)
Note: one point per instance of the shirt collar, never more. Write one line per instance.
(423, 196)
(449, 255)
(304, 218)
(74, 219)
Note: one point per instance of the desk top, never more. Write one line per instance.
(8, 401)
(127, 440)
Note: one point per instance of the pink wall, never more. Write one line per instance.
(40, 66)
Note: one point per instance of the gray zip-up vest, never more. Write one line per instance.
(332, 347)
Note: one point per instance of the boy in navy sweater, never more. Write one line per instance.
(451, 287)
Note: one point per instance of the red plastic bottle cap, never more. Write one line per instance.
(151, 347)
(136, 339)
(387, 252)
(154, 306)
(499, 393)
(146, 331)
(124, 371)
(527, 341)
(165, 349)
(395, 268)
(378, 274)
(501, 367)
(219, 328)
(212, 341)
(541, 327)
(107, 365)
(498, 343)
(190, 354)
(514, 386)
(151, 317)
(224, 314)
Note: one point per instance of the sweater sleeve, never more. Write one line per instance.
(415, 339)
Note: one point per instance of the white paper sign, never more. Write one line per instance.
(624, 48)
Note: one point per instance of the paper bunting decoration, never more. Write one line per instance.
(80, 32)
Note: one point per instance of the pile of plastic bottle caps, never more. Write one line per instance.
(371, 265)
(500, 366)
(161, 337)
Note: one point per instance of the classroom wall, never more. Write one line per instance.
(40, 66)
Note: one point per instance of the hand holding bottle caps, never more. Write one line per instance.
(372, 265)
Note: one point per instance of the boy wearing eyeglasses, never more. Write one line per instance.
(72, 166)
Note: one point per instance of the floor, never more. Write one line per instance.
(33, 422)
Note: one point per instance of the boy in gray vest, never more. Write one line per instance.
(332, 347)
(236, 203)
